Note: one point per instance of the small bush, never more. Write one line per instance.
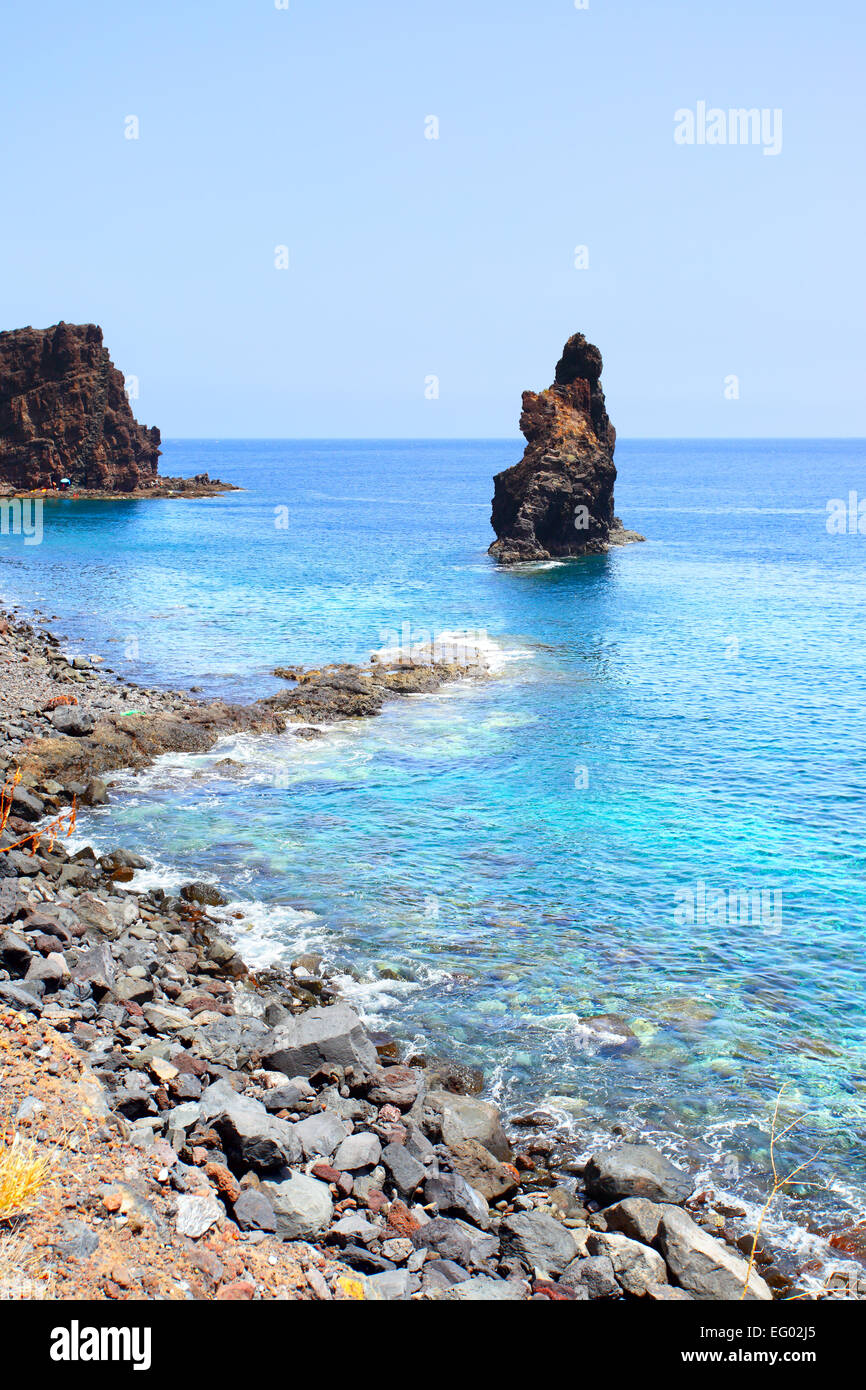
(23, 1174)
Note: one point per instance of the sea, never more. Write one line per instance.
(625, 872)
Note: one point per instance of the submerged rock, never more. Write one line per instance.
(558, 501)
(207, 894)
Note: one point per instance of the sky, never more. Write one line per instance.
(431, 280)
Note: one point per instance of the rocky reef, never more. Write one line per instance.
(558, 500)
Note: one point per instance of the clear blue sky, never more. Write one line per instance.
(411, 257)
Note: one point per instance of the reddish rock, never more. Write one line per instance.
(557, 1293)
(482, 1171)
(396, 1086)
(851, 1241)
(224, 1181)
(202, 1003)
(59, 700)
(401, 1221)
(325, 1172)
(64, 413)
(188, 1062)
(392, 1134)
(242, 1291)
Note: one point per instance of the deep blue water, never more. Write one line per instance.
(685, 711)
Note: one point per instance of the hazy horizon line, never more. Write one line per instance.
(498, 438)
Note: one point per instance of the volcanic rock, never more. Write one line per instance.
(558, 501)
(64, 413)
(635, 1170)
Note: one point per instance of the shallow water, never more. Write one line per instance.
(522, 853)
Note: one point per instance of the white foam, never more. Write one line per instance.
(471, 647)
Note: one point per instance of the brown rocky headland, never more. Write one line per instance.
(66, 424)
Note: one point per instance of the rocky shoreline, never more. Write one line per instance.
(243, 1136)
(200, 485)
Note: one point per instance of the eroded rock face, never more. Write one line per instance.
(558, 501)
(64, 413)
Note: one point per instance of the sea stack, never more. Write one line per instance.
(558, 500)
(64, 413)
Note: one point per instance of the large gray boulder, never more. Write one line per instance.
(26, 805)
(407, 1173)
(73, 720)
(636, 1218)
(592, 1278)
(455, 1240)
(251, 1137)
(335, 1034)
(539, 1241)
(637, 1268)
(253, 1211)
(635, 1170)
(302, 1206)
(358, 1151)
(703, 1265)
(466, 1117)
(96, 968)
(15, 953)
(482, 1289)
(232, 1042)
(451, 1195)
(19, 997)
(288, 1096)
(321, 1134)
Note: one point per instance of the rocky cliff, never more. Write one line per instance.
(64, 413)
(558, 501)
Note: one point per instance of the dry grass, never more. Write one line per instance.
(22, 1273)
(23, 1174)
(780, 1182)
(62, 824)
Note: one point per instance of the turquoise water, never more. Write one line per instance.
(519, 853)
